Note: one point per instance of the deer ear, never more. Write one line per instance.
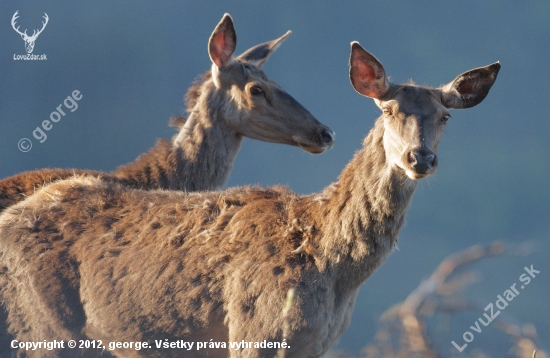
(222, 42)
(259, 54)
(366, 73)
(471, 87)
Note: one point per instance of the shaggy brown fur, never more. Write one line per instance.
(16, 188)
(85, 258)
(233, 100)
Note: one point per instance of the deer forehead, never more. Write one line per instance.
(239, 74)
(251, 71)
(255, 76)
(407, 100)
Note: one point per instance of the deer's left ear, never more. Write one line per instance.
(471, 87)
(259, 54)
(222, 42)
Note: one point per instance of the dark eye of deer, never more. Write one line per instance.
(445, 118)
(256, 90)
(387, 111)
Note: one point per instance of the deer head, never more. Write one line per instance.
(257, 106)
(29, 40)
(414, 116)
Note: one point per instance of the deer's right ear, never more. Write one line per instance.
(259, 54)
(471, 87)
(366, 73)
(222, 42)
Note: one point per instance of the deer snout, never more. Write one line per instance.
(327, 137)
(422, 160)
(317, 141)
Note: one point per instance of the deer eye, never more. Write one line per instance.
(387, 111)
(256, 90)
(445, 118)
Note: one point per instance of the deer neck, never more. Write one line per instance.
(200, 157)
(207, 145)
(364, 211)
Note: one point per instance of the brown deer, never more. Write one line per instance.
(234, 100)
(89, 259)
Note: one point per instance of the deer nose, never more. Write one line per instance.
(422, 160)
(327, 136)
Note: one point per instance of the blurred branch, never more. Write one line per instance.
(403, 332)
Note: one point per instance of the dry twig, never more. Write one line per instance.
(403, 332)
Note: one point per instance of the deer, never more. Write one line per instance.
(86, 258)
(29, 40)
(234, 99)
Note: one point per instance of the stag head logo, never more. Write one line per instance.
(29, 40)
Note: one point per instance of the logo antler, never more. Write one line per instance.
(29, 40)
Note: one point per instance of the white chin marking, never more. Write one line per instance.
(415, 176)
(411, 174)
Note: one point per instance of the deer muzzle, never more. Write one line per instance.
(422, 160)
(327, 137)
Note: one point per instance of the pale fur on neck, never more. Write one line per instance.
(363, 212)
